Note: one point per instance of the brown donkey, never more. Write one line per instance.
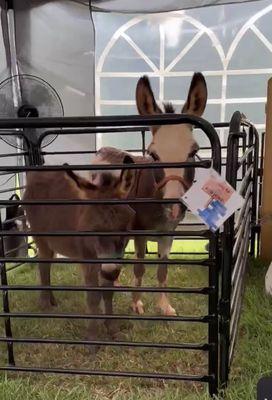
(170, 143)
(66, 185)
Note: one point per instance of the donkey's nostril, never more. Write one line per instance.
(93, 176)
(174, 212)
(107, 179)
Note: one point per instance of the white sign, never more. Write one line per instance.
(212, 199)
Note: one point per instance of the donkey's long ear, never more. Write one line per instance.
(81, 182)
(127, 177)
(145, 99)
(197, 96)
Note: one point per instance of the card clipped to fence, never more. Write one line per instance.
(212, 199)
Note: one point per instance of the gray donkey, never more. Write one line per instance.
(170, 143)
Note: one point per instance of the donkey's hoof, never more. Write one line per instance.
(138, 307)
(115, 332)
(93, 349)
(126, 326)
(53, 301)
(119, 336)
(115, 329)
(169, 311)
(47, 302)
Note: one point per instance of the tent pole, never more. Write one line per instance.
(266, 207)
(16, 86)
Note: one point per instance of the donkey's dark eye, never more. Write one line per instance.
(107, 179)
(193, 153)
(155, 156)
(194, 150)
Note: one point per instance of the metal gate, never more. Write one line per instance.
(226, 259)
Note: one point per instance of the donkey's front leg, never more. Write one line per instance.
(91, 277)
(109, 275)
(139, 270)
(47, 299)
(164, 247)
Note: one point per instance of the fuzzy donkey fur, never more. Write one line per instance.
(66, 185)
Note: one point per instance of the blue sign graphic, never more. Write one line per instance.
(212, 214)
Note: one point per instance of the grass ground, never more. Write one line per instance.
(252, 357)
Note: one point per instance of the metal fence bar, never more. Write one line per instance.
(60, 202)
(12, 189)
(15, 266)
(90, 167)
(22, 246)
(132, 233)
(245, 207)
(12, 154)
(177, 377)
(177, 346)
(194, 290)
(243, 158)
(239, 281)
(244, 225)
(236, 273)
(201, 319)
(204, 262)
(246, 180)
(254, 138)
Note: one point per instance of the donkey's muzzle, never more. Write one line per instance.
(174, 212)
(110, 272)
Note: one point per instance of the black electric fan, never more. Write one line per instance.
(37, 99)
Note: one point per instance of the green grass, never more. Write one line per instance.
(252, 357)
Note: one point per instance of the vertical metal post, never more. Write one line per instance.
(227, 244)
(244, 146)
(5, 296)
(254, 140)
(260, 183)
(227, 248)
(253, 194)
(261, 168)
(213, 328)
(143, 131)
(143, 141)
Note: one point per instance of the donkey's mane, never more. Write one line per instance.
(169, 108)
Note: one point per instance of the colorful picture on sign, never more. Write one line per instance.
(212, 199)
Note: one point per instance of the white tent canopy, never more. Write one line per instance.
(93, 59)
(156, 6)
